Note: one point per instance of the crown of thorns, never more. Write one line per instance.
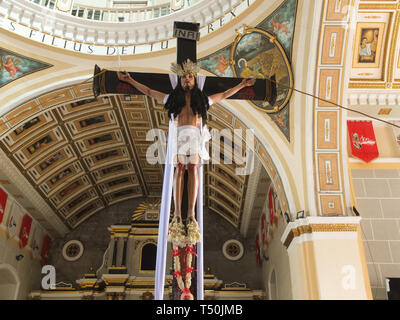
(187, 66)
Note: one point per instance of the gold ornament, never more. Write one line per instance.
(188, 66)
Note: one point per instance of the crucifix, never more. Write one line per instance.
(187, 98)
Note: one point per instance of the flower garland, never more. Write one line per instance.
(176, 235)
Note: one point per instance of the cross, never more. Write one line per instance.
(187, 34)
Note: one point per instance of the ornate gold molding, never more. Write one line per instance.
(393, 46)
(354, 85)
(317, 227)
(377, 6)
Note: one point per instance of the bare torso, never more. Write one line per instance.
(186, 116)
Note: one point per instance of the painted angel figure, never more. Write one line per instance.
(223, 64)
(10, 65)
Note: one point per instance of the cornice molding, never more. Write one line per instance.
(368, 98)
(68, 27)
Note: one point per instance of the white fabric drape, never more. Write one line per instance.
(166, 209)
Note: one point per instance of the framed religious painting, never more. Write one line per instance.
(368, 44)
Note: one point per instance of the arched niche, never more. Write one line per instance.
(9, 282)
(148, 255)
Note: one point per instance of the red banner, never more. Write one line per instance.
(258, 253)
(45, 249)
(263, 233)
(3, 201)
(271, 206)
(25, 230)
(362, 140)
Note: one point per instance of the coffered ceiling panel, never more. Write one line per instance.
(83, 154)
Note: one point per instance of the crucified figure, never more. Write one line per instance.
(189, 106)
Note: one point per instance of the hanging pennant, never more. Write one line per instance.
(258, 253)
(3, 202)
(271, 205)
(45, 249)
(35, 245)
(362, 140)
(263, 233)
(25, 230)
(14, 220)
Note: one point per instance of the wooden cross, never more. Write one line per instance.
(187, 34)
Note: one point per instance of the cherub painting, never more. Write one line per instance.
(222, 65)
(10, 65)
(279, 27)
(14, 66)
(219, 63)
(281, 24)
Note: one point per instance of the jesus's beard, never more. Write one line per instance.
(187, 88)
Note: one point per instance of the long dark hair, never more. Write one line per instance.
(198, 101)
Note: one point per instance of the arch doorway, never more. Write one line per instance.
(9, 283)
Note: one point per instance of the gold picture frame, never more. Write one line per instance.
(368, 44)
(283, 59)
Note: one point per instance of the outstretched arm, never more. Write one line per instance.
(230, 92)
(159, 96)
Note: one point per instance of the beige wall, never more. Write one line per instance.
(326, 259)
(278, 261)
(27, 270)
(377, 198)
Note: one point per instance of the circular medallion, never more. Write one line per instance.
(233, 249)
(257, 53)
(72, 250)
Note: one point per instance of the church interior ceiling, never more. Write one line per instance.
(83, 154)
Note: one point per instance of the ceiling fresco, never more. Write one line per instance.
(262, 51)
(14, 66)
